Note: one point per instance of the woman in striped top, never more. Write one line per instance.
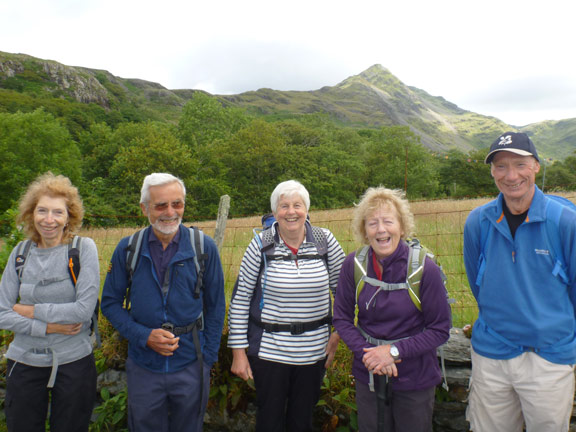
(280, 313)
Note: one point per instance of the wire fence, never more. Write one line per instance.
(439, 226)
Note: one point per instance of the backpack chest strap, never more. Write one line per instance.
(375, 341)
(293, 257)
(385, 286)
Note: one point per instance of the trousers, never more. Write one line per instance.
(68, 405)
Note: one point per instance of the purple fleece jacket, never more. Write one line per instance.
(392, 315)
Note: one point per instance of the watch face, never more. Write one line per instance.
(394, 351)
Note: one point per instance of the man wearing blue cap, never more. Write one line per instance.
(520, 257)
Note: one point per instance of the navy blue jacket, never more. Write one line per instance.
(150, 308)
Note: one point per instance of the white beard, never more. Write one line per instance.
(166, 230)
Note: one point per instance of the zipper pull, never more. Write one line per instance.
(514, 256)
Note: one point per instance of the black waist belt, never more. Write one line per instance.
(177, 331)
(295, 328)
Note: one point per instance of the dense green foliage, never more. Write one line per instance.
(220, 150)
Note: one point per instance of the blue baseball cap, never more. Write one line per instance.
(515, 142)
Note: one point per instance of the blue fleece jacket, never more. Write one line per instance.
(522, 305)
(150, 308)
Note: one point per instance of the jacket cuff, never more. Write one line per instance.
(38, 328)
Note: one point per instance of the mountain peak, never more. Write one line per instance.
(375, 69)
(375, 76)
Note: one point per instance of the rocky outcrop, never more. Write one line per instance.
(450, 407)
(10, 68)
(84, 87)
(78, 83)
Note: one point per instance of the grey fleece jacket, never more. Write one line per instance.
(46, 284)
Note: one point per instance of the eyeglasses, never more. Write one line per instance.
(176, 205)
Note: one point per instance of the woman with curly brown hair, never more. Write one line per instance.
(50, 363)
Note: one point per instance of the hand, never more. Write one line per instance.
(66, 329)
(379, 361)
(240, 364)
(24, 310)
(163, 342)
(331, 349)
(390, 370)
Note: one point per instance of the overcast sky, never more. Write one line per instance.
(512, 59)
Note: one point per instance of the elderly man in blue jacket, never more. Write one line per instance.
(520, 257)
(173, 332)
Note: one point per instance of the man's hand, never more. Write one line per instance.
(163, 342)
(240, 364)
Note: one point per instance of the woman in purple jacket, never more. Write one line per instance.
(394, 343)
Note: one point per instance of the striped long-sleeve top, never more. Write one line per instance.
(294, 291)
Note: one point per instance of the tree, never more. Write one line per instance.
(145, 148)
(205, 126)
(325, 159)
(204, 120)
(464, 175)
(560, 175)
(31, 144)
(99, 147)
(396, 159)
(257, 159)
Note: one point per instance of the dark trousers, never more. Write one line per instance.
(408, 411)
(166, 402)
(286, 395)
(70, 400)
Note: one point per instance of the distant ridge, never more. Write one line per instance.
(371, 99)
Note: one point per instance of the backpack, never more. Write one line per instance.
(133, 257)
(415, 268)
(267, 244)
(22, 251)
(416, 259)
(554, 207)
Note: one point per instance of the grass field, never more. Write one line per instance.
(439, 226)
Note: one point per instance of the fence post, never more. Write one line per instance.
(223, 209)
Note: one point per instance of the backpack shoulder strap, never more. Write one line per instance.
(554, 210)
(74, 258)
(132, 259)
(200, 257)
(74, 249)
(267, 240)
(360, 269)
(485, 234)
(321, 241)
(360, 272)
(133, 251)
(22, 251)
(416, 258)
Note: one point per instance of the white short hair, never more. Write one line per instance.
(289, 188)
(158, 179)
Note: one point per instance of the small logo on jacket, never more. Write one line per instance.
(542, 251)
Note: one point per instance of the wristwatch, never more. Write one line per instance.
(394, 352)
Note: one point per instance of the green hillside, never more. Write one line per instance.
(372, 99)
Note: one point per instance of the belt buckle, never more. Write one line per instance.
(199, 324)
(296, 329)
(168, 326)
